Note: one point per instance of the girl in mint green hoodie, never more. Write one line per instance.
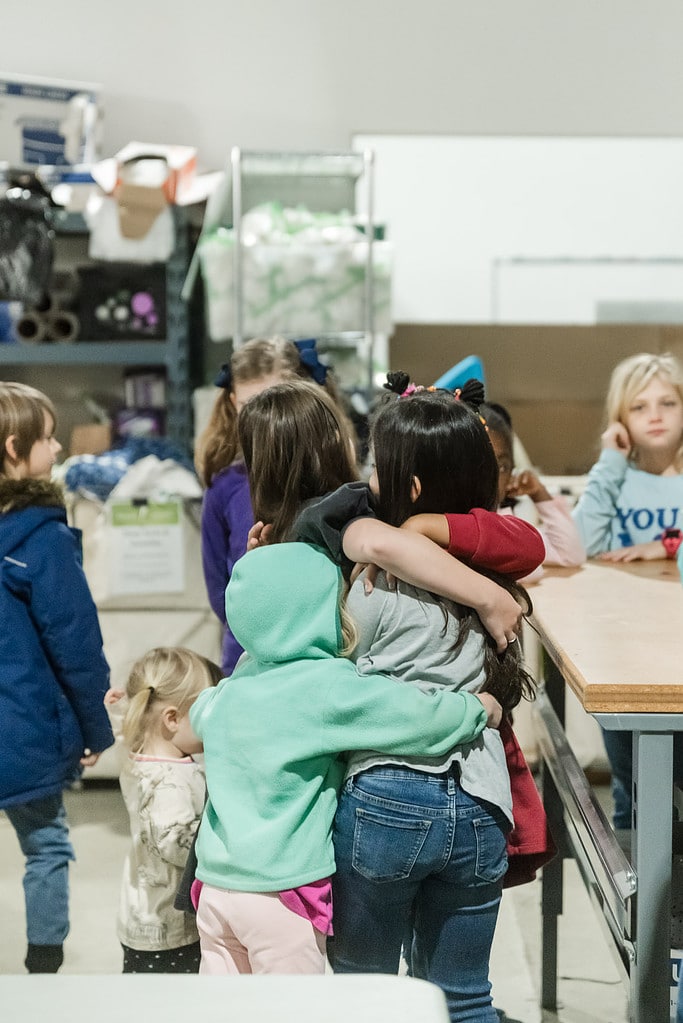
(274, 735)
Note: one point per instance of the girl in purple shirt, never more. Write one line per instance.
(227, 514)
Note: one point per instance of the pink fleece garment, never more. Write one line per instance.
(311, 901)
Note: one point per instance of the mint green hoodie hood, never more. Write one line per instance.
(282, 603)
(275, 733)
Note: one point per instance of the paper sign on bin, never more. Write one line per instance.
(145, 547)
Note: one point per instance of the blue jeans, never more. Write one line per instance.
(44, 839)
(414, 850)
(619, 746)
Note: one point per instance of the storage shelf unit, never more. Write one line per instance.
(172, 353)
(108, 353)
(323, 182)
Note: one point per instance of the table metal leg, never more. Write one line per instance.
(652, 764)
(551, 897)
(553, 873)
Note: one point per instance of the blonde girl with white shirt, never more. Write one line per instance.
(164, 792)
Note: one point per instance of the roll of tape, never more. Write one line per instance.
(30, 327)
(62, 326)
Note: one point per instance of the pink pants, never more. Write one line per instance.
(253, 932)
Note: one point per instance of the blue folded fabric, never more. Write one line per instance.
(99, 474)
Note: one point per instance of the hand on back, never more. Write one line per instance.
(258, 535)
(501, 616)
(494, 711)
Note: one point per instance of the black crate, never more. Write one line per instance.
(122, 302)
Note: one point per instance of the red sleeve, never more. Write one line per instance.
(502, 543)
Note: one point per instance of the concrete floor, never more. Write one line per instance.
(589, 987)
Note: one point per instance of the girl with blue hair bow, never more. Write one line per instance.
(227, 513)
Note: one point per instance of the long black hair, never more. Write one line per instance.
(441, 441)
(439, 438)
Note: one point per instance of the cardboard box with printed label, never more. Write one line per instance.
(48, 121)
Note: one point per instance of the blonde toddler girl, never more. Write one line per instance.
(164, 792)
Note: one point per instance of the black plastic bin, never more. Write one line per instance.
(122, 301)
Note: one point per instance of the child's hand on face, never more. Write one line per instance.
(494, 711)
(113, 696)
(527, 483)
(617, 438)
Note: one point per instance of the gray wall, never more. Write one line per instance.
(308, 74)
(302, 74)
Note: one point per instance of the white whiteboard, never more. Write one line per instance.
(551, 230)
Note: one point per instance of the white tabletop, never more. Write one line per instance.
(614, 631)
(165, 998)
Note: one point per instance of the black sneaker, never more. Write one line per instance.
(44, 958)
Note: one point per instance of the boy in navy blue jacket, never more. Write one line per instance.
(53, 673)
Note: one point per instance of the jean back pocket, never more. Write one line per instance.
(386, 848)
(492, 861)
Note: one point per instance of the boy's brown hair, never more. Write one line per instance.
(22, 416)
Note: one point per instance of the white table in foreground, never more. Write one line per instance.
(168, 998)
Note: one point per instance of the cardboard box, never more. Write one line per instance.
(90, 439)
(144, 178)
(181, 164)
(139, 206)
(46, 121)
(180, 160)
(553, 379)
